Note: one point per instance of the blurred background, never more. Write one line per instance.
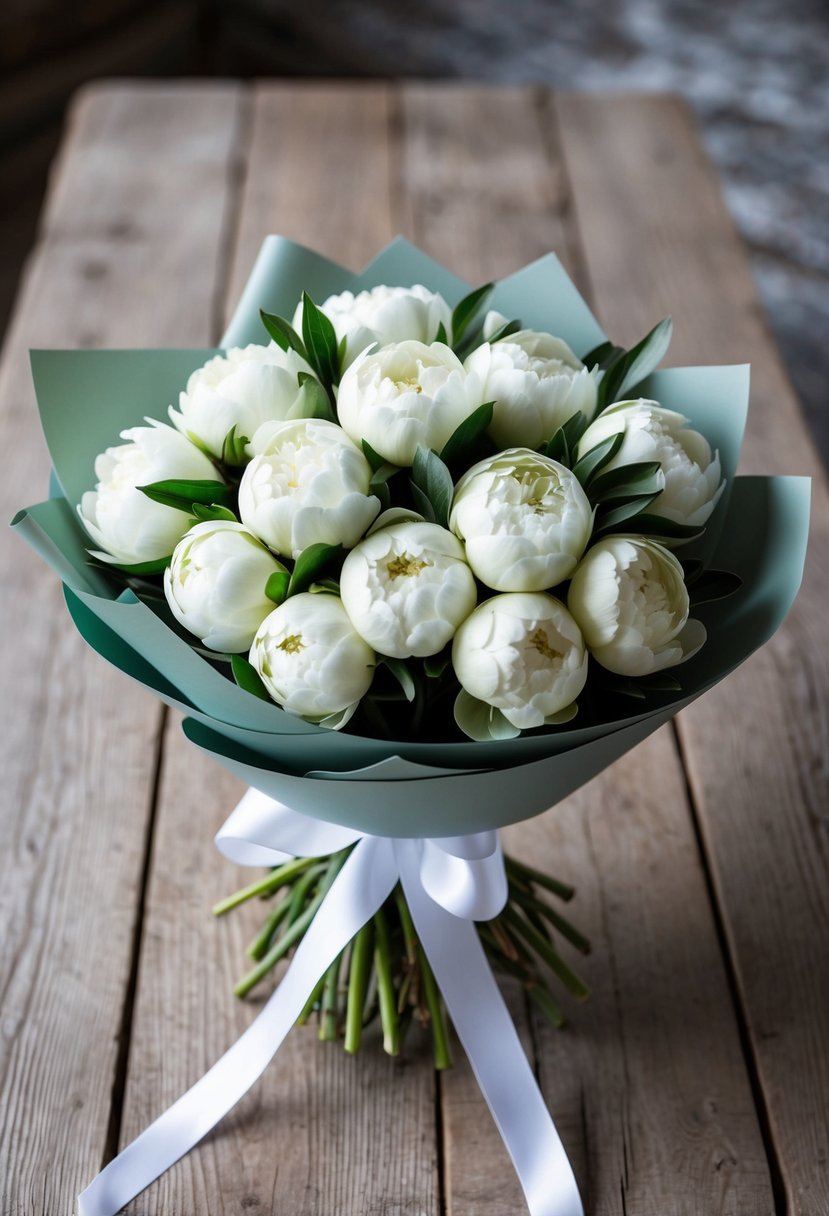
(755, 71)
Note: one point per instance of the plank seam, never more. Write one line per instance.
(778, 1189)
(120, 1073)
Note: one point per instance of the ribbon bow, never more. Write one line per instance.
(448, 883)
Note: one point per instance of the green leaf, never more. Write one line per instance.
(182, 494)
(713, 585)
(157, 566)
(464, 436)
(435, 665)
(313, 401)
(374, 458)
(283, 333)
(276, 588)
(480, 721)
(632, 367)
(504, 331)
(325, 586)
(207, 514)
(465, 311)
(247, 677)
(378, 483)
(627, 481)
(658, 527)
(432, 484)
(562, 446)
(402, 674)
(604, 354)
(320, 342)
(233, 448)
(609, 520)
(441, 335)
(595, 460)
(309, 563)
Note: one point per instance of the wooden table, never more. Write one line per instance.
(696, 1079)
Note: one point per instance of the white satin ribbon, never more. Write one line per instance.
(448, 883)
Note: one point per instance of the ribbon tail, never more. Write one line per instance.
(365, 881)
(490, 1040)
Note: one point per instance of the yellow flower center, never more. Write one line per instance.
(292, 644)
(540, 642)
(405, 566)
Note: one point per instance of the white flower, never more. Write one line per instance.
(629, 597)
(215, 584)
(407, 588)
(243, 389)
(128, 525)
(693, 478)
(524, 518)
(536, 382)
(312, 660)
(522, 653)
(384, 315)
(404, 395)
(309, 485)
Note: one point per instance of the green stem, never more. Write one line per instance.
(440, 1031)
(357, 988)
(568, 931)
(525, 872)
(296, 930)
(311, 1002)
(543, 948)
(328, 1006)
(264, 886)
(258, 947)
(385, 985)
(547, 1005)
(299, 894)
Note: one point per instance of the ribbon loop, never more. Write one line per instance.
(448, 884)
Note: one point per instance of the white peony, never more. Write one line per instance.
(524, 654)
(407, 588)
(215, 584)
(537, 384)
(693, 477)
(384, 315)
(311, 659)
(130, 527)
(309, 485)
(524, 518)
(629, 597)
(245, 388)
(406, 395)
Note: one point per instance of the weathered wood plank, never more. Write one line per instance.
(653, 1122)
(756, 746)
(79, 747)
(276, 1151)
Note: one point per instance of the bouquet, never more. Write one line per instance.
(415, 562)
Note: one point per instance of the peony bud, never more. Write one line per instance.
(522, 653)
(536, 382)
(384, 315)
(215, 584)
(128, 525)
(311, 659)
(245, 388)
(309, 485)
(406, 395)
(407, 588)
(693, 478)
(629, 597)
(524, 518)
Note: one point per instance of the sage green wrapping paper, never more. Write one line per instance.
(86, 398)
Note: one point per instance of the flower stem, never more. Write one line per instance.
(265, 886)
(385, 985)
(328, 1005)
(437, 1016)
(543, 948)
(558, 922)
(526, 873)
(259, 946)
(357, 987)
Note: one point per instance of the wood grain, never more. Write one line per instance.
(654, 1119)
(79, 746)
(756, 746)
(321, 1132)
